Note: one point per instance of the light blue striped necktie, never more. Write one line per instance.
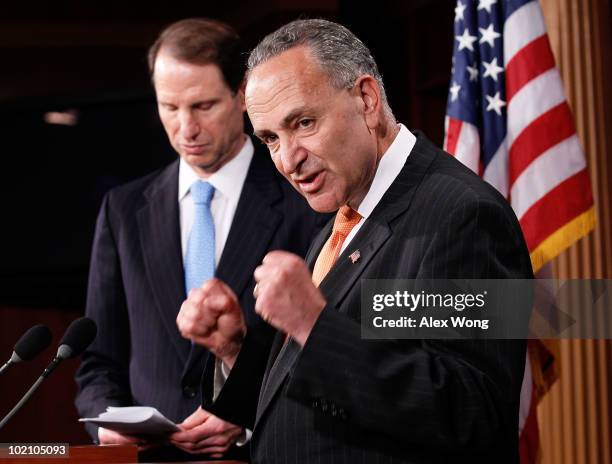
(200, 257)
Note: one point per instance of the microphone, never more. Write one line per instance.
(30, 345)
(78, 336)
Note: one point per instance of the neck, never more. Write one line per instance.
(388, 132)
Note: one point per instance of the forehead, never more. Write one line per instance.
(176, 77)
(284, 82)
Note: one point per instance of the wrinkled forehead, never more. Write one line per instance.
(291, 78)
(297, 63)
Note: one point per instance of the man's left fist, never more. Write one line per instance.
(286, 296)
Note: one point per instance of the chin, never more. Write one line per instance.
(204, 162)
(321, 205)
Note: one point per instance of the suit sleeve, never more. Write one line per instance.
(445, 394)
(103, 374)
(237, 400)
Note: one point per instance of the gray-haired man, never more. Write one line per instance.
(406, 210)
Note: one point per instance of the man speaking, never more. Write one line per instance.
(405, 209)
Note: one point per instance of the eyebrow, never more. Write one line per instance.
(195, 103)
(294, 114)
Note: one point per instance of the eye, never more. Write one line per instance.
(305, 123)
(168, 107)
(205, 106)
(269, 139)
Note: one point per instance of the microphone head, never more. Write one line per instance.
(78, 336)
(31, 343)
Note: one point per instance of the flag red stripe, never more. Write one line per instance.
(529, 441)
(534, 59)
(543, 133)
(555, 209)
(452, 136)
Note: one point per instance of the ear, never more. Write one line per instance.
(240, 94)
(369, 93)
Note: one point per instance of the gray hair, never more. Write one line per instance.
(341, 55)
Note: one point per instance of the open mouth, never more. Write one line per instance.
(311, 183)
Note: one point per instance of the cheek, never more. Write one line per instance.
(276, 159)
(334, 142)
(353, 153)
(169, 123)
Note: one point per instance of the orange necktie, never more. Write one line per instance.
(346, 219)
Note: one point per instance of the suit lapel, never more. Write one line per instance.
(159, 230)
(345, 273)
(253, 227)
(278, 370)
(254, 224)
(375, 231)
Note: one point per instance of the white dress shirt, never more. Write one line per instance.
(389, 167)
(228, 182)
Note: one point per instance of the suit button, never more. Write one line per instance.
(189, 391)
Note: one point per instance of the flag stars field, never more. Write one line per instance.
(459, 10)
(466, 40)
(492, 69)
(486, 5)
(489, 35)
(473, 71)
(454, 90)
(495, 103)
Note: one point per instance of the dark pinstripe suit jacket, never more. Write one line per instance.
(342, 399)
(136, 286)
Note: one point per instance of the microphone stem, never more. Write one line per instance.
(6, 366)
(23, 400)
(50, 368)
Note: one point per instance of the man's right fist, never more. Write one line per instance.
(211, 317)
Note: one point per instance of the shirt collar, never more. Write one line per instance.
(389, 167)
(225, 180)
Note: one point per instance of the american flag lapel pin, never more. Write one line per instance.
(354, 256)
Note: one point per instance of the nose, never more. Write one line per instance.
(189, 128)
(293, 155)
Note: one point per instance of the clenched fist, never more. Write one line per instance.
(286, 296)
(211, 317)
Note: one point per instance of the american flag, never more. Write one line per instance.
(507, 119)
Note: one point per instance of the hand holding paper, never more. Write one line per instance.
(134, 420)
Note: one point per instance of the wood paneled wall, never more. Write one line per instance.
(575, 417)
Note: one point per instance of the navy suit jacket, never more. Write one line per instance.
(136, 286)
(344, 399)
